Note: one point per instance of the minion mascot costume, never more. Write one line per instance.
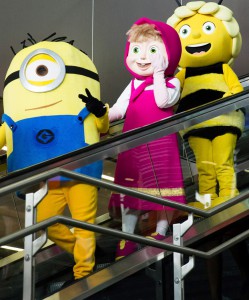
(45, 115)
(211, 39)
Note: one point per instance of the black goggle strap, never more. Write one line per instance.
(69, 70)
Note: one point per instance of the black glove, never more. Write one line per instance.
(95, 106)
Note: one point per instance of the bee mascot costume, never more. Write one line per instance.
(211, 39)
(46, 115)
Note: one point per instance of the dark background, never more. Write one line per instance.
(98, 27)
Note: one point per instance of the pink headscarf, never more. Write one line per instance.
(171, 41)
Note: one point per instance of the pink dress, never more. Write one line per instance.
(152, 168)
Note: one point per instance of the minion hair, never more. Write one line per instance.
(222, 13)
(140, 33)
(30, 40)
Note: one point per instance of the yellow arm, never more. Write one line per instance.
(2, 136)
(232, 81)
(181, 76)
(102, 123)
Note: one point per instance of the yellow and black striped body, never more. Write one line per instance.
(203, 85)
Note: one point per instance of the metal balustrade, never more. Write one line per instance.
(65, 164)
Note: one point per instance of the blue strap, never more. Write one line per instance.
(83, 114)
(11, 123)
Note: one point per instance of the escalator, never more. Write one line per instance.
(54, 267)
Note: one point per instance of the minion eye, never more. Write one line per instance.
(42, 71)
(208, 27)
(185, 31)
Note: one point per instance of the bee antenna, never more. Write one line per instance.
(180, 3)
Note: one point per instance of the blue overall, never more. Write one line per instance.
(41, 138)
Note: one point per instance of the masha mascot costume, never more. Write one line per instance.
(152, 53)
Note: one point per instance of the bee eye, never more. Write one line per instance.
(208, 27)
(42, 70)
(184, 31)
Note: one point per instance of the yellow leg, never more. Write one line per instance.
(83, 206)
(54, 204)
(202, 149)
(223, 154)
(215, 164)
(82, 202)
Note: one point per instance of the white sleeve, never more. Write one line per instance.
(118, 110)
(166, 96)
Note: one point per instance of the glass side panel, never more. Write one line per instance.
(216, 153)
(166, 168)
(140, 169)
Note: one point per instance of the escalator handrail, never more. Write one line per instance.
(123, 235)
(131, 139)
(14, 186)
(26, 178)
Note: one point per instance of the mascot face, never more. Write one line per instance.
(45, 79)
(139, 56)
(205, 41)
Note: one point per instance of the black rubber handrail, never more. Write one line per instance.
(131, 139)
(122, 235)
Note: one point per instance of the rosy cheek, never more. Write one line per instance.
(130, 61)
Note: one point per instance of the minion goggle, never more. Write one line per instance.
(43, 70)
